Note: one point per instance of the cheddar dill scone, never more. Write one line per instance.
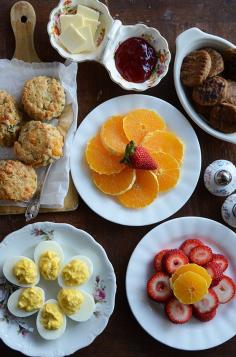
(43, 98)
(10, 119)
(39, 144)
(18, 182)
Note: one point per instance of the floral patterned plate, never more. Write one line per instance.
(21, 333)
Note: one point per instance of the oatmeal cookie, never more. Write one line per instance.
(39, 144)
(18, 182)
(10, 119)
(223, 118)
(43, 98)
(229, 56)
(195, 68)
(217, 62)
(212, 91)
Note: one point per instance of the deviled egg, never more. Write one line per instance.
(51, 321)
(21, 271)
(49, 257)
(76, 304)
(76, 272)
(26, 301)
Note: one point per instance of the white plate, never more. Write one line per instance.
(194, 335)
(21, 333)
(167, 203)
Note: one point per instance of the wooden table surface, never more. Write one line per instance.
(123, 336)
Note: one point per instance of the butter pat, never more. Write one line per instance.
(73, 40)
(67, 20)
(88, 12)
(86, 33)
(93, 24)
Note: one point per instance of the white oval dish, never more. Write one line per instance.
(109, 35)
(20, 333)
(167, 203)
(193, 335)
(188, 41)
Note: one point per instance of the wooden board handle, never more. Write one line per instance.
(23, 20)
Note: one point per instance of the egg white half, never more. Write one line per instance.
(13, 302)
(82, 258)
(8, 271)
(86, 310)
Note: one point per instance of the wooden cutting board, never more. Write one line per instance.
(23, 20)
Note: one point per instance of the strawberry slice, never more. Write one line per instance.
(189, 244)
(205, 316)
(216, 281)
(225, 289)
(177, 312)
(214, 270)
(158, 287)
(200, 255)
(174, 259)
(158, 259)
(137, 157)
(207, 304)
(221, 260)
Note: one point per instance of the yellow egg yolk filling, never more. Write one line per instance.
(30, 299)
(25, 271)
(51, 316)
(70, 300)
(75, 273)
(49, 265)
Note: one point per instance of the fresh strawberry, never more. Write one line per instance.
(221, 260)
(177, 312)
(200, 255)
(158, 287)
(138, 157)
(205, 316)
(158, 259)
(174, 259)
(207, 304)
(225, 289)
(214, 270)
(189, 244)
(216, 281)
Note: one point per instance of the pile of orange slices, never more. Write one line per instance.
(134, 188)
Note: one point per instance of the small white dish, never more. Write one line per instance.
(21, 333)
(110, 34)
(188, 41)
(167, 203)
(194, 335)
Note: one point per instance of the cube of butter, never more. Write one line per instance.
(73, 40)
(93, 25)
(88, 12)
(86, 32)
(66, 20)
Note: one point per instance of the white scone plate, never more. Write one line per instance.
(167, 203)
(21, 333)
(193, 335)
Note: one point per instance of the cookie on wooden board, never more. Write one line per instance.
(195, 68)
(223, 118)
(211, 92)
(217, 62)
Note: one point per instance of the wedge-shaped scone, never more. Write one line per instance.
(213, 91)
(231, 93)
(223, 118)
(195, 68)
(217, 62)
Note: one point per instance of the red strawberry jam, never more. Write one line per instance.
(135, 60)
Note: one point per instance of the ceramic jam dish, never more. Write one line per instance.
(188, 41)
(125, 67)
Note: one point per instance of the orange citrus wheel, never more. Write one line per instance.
(164, 141)
(101, 160)
(113, 136)
(143, 192)
(140, 122)
(168, 171)
(194, 268)
(115, 184)
(190, 287)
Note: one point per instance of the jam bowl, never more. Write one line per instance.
(150, 65)
(188, 41)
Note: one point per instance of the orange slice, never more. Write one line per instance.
(194, 268)
(138, 123)
(164, 141)
(143, 192)
(168, 171)
(113, 136)
(101, 160)
(190, 287)
(115, 184)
